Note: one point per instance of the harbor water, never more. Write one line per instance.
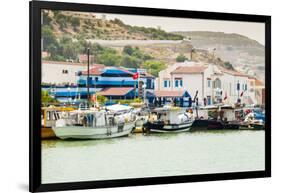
(153, 155)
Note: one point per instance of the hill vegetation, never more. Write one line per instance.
(81, 26)
(66, 35)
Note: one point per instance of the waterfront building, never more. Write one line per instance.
(214, 84)
(103, 79)
(60, 73)
(67, 81)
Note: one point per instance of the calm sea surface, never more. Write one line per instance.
(153, 155)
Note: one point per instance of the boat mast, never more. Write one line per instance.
(195, 100)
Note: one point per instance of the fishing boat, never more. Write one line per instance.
(216, 117)
(142, 118)
(49, 116)
(92, 123)
(169, 119)
(253, 120)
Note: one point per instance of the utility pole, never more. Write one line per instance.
(88, 76)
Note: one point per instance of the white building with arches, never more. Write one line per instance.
(214, 83)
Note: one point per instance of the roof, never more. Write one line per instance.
(115, 91)
(63, 63)
(97, 69)
(189, 70)
(124, 70)
(232, 72)
(164, 93)
(146, 75)
(258, 82)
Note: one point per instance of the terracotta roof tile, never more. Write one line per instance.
(232, 72)
(97, 69)
(163, 93)
(189, 70)
(258, 82)
(115, 91)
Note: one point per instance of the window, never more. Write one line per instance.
(166, 83)
(238, 86)
(209, 100)
(217, 83)
(178, 82)
(246, 87)
(209, 83)
(65, 71)
(148, 84)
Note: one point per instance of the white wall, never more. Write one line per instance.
(14, 141)
(191, 83)
(52, 73)
(166, 73)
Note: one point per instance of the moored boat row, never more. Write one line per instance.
(122, 120)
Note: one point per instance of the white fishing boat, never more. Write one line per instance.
(95, 124)
(169, 119)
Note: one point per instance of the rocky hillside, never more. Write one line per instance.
(244, 53)
(114, 43)
(89, 26)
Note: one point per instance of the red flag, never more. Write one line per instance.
(241, 94)
(136, 76)
(225, 97)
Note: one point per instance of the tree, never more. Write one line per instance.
(228, 65)
(46, 98)
(70, 51)
(128, 50)
(61, 20)
(181, 58)
(48, 37)
(46, 18)
(109, 59)
(130, 62)
(75, 22)
(101, 99)
(154, 66)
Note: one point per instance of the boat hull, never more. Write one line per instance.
(80, 132)
(205, 124)
(166, 128)
(47, 133)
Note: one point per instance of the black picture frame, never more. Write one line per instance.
(35, 184)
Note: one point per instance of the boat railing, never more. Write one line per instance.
(83, 106)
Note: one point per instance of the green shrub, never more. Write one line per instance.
(181, 58)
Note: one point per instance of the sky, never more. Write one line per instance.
(255, 31)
